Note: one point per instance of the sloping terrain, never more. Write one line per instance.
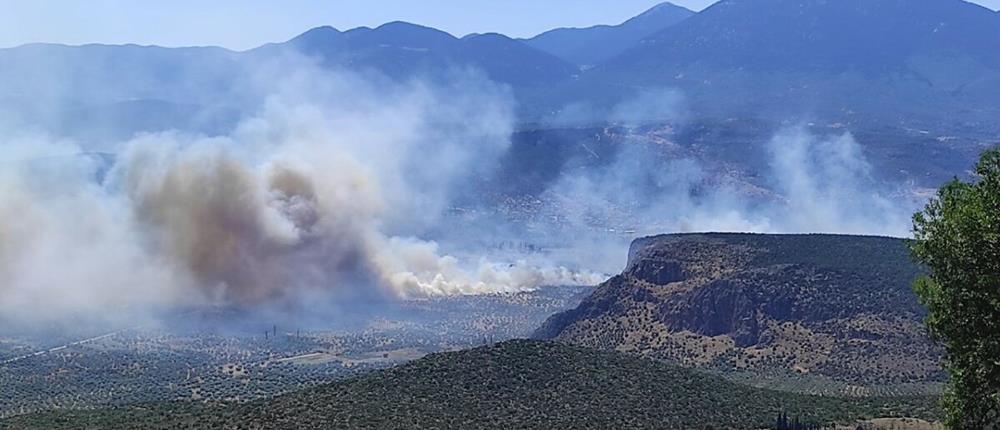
(906, 78)
(113, 91)
(404, 50)
(836, 309)
(592, 45)
(895, 60)
(221, 354)
(516, 384)
(928, 64)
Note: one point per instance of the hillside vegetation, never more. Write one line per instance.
(813, 313)
(188, 362)
(515, 384)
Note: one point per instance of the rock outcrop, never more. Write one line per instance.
(833, 309)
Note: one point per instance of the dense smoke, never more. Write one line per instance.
(326, 189)
(332, 183)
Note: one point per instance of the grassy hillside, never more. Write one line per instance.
(516, 384)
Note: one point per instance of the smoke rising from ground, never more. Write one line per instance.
(333, 183)
(326, 189)
(812, 184)
(807, 183)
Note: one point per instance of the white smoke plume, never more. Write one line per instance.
(808, 183)
(812, 184)
(333, 180)
(828, 185)
(326, 188)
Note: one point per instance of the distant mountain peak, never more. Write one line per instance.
(592, 45)
(665, 7)
(323, 29)
(321, 33)
(403, 26)
(488, 36)
(400, 49)
(658, 18)
(830, 31)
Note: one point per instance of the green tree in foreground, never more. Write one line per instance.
(957, 237)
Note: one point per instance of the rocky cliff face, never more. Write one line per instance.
(834, 311)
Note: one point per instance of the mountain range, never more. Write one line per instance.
(894, 59)
(929, 64)
(400, 50)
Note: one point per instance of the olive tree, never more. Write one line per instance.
(957, 239)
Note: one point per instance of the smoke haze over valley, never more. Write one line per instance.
(224, 227)
(339, 185)
(326, 190)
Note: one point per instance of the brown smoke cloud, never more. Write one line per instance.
(325, 189)
(246, 234)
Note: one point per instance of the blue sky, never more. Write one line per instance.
(241, 24)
